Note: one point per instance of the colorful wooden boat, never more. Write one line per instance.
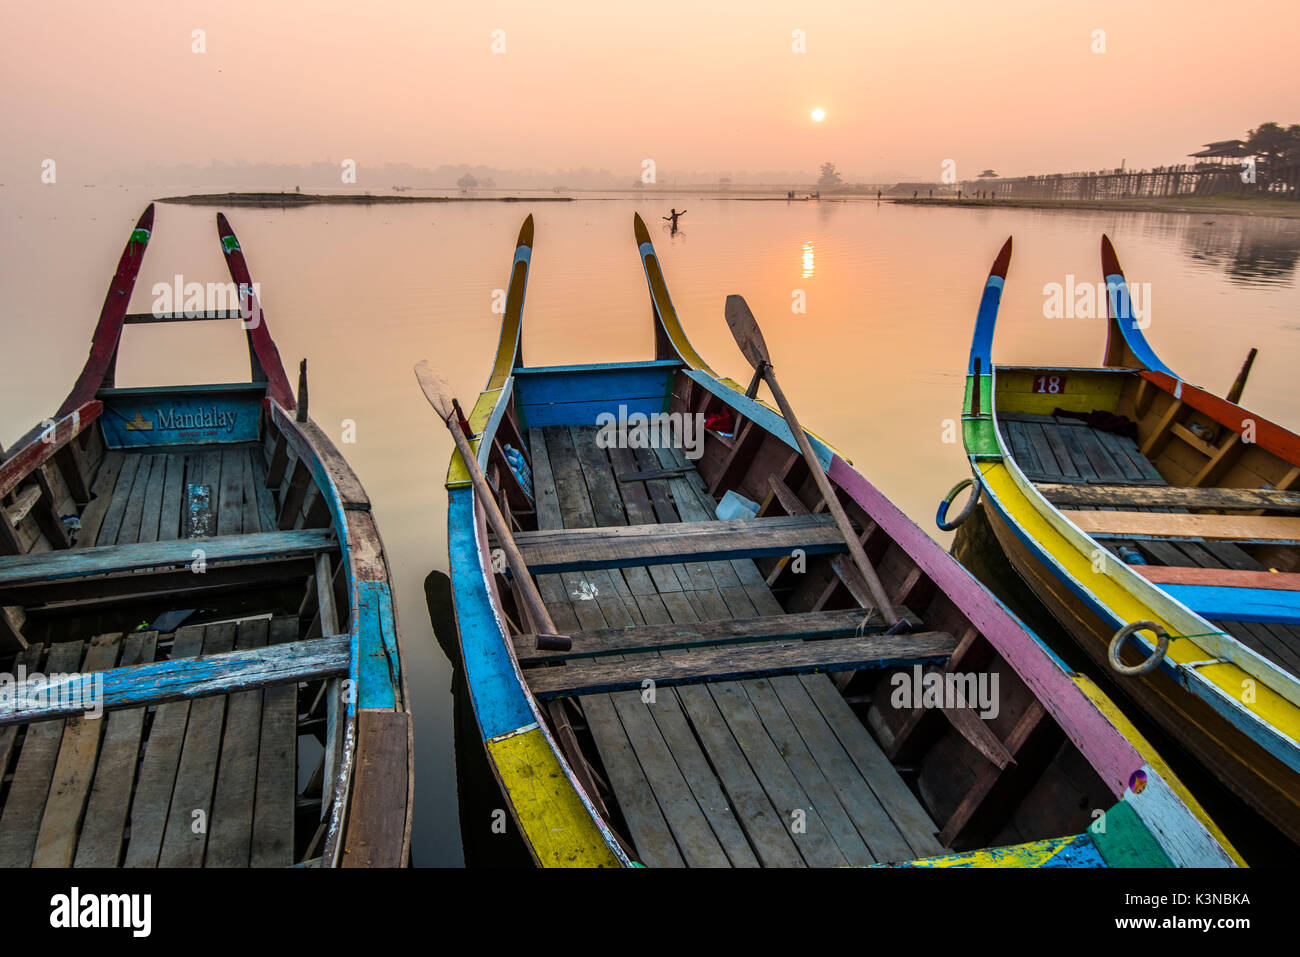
(727, 697)
(1125, 495)
(198, 565)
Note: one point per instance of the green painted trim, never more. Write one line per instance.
(1125, 840)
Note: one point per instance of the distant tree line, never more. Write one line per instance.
(1274, 148)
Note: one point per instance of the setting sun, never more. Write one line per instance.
(818, 115)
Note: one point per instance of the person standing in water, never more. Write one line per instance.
(672, 217)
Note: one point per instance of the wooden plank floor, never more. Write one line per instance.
(771, 772)
(1123, 462)
(140, 496)
(1062, 449)
(208, 781)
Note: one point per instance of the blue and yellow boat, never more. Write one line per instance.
(1159, 524)
(726, 693)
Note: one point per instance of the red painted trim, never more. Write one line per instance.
(1268, 435)
(259, 336)
(1218, 577)
(1105, 747)
(108, 331)
(40, 450)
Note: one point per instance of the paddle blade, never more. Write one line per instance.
(436, 388)
(746, 332)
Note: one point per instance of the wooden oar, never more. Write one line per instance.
(438, 392)
(750, 339)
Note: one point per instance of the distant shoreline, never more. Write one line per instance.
(1223, 206)
(1210, 205)
(294, 200)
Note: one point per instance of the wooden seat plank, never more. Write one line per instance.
(1166, 525)
(607, 641)
(110, 559)
(573, 549)
(1170, 496)
(736, 662)
(56, 842)
(100, 841)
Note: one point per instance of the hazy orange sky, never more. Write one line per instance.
(701, 86)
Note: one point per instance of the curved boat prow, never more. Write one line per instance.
(977, 419)
(1126, 346)
(510, 354)
(99, 367)
(263, 356)
(670, 338)
(986, 320)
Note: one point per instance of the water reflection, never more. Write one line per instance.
(808, 266)
(1248, 251)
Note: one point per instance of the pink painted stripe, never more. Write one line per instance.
(1110, 753)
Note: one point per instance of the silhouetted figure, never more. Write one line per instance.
(877, 196)
(672, 218)
(914, 192)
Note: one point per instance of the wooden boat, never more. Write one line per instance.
(1124, 495)
(728, 696)
(198, 565)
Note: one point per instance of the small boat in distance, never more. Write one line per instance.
(1158, 523)
(677, 657)
(196, 626)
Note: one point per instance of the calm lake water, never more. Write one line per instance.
(874, 365)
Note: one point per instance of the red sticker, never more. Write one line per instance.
(1049, 384)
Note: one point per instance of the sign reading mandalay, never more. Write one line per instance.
(162, 418)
